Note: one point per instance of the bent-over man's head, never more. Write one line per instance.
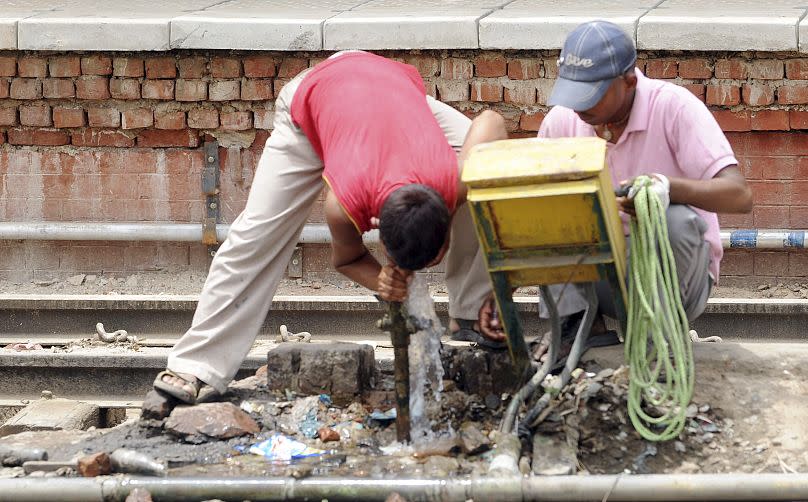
(414, 225)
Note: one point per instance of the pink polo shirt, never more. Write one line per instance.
(669, 132)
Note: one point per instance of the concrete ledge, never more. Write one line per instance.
(340, 303)
(734, 25)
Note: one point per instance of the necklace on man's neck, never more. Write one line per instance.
(607, 133)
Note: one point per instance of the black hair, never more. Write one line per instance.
(413, 225)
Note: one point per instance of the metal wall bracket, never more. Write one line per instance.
(210, 187)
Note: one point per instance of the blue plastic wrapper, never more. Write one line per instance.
(280, 447)
(383, 416)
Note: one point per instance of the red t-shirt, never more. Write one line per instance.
(367, 118)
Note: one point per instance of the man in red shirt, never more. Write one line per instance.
(363, 124)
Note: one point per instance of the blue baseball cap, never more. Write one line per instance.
(594, 54)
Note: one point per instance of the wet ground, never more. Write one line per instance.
(736, 424)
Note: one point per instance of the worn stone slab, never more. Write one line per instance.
(99, 25)
(51, 415)
(544, 24)
(802, 34)
(14, 11)
(287, 25)
(417, 24)
(342, 370)
(738, 25)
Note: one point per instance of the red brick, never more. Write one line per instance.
(164, 138)
(696, 89)
(102, 137)
(735, 69)
(758, 94)
(798, 216)
(137, 118)
(798, 263)
(550, 67)
(35, 115)
(792, 94)
(520, 92)
(770, 216)
(92, 88)
(735, 220)
(224, 90)
(158, 89)
(427, 66)
(64, 66)
(26, 88)
(278, 84)
(773, 193)
(489, 92)
(191, 90)
(256, 89)
(452, 90)
(695, 68)
(41, 137)
(490, 66)
(169, 119)
(4, 89)
(259, 66)
(770, 167)
(736, 262)
(8, 116)
(203, 118)
(58, 88)
(802, 169)
(797, 69)
(33, 67)
(456, 69)
(290, 67)
(67, 117)
(96, 64)
(733, 121)
(773, 264)
(769, 120)
(8, 66)
(766, 69)
(225, 68)
(124, 88)
(127, 67)
(776, 143)
(661, 68)
(263, 119)
(236, 121)
(193, 67)
(103, 117)
(798, 119)
(531, 121)
(161, 67)
(524, 69)
(723, 95)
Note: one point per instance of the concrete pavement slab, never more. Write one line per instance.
(729, 25)
(251, 24)
(419, 24)
(134, 25)
(543, 24)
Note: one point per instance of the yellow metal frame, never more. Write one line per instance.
(545, 213)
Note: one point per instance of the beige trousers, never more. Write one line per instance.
(250, 263)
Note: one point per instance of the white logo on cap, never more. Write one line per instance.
(573, 60)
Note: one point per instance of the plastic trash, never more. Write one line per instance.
(280, 447)
(383, 416)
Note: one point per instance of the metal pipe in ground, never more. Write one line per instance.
(652, 487)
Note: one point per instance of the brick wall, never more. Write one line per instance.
(117, 137)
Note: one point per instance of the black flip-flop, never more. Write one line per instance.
(175, 391)
(467, 333)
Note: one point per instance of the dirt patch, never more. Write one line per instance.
(190, 283)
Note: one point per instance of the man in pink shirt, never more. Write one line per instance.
(655, 128)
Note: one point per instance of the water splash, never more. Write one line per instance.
(426, 369)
